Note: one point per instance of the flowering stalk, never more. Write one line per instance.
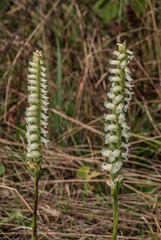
(117, 130)
(36, 118)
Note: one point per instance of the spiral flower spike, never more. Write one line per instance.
(37, 122)
(116, 129)
(36, 113)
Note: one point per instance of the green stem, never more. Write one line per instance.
(115, 211)
(34, 223)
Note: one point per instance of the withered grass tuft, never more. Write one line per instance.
(77, 40)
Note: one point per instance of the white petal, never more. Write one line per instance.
(110, 183)
(46, 103)
(127, 70)
(129, 52)
(32, 88)
(110, 127)
(112, 158)
(33, 70)
(126, 135)
(32, 108)
(118, 99)
(115, 71)
(33, 100)
(109, 139)
(36, 59)
(117, 167)
(33, 154)
(32, 76)
(33, 137)
(43, 80)
(106, 152)
(124, 126)
(116, 153)
(126, 107)
(106, 166)
(130, 58)
(116, 53)
(119, 108)
(116, 89)
(43, 69)
(113, 84)
(44, 97)
(119, 178)
(44, 86)
(128, 99)
(33, 82)
(33, 64)
(114, 62)
(111, 95)
(32, 146)
(32, 128)
(31, 119)
(37, 54)
(124, 155)
(128, 92)
(43, 140)
(43, 74)
(45, 109)
(44, 132)
(44, 117)
(31, 113)
(109, 105)
(33, 95)
(123, 64)
(110, 117)
(129, 78)
(43, 123)
(121, 118)
(121, 46)
(121, 56)
(115, 79)
(127, 84)
(43, 91)
(125, 145)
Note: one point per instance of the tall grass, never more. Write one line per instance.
(88, 32)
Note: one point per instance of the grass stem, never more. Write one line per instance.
(34, 224)
(115, 212)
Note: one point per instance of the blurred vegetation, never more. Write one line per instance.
(77, 39)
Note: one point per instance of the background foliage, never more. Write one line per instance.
(77, 39)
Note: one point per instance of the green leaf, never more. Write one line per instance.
(107, 10)
(2, 169)
(4, 5)
(159, 201)
(16, 215)
(101, 4)
(59, 73)
(58, 100)
(83, 172)
(90, 217)
(93, 175)
(139, 6)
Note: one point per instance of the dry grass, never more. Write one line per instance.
(69, 208)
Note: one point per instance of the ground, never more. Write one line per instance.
(77, 39)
